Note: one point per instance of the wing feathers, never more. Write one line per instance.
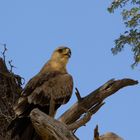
(41, 88)
(58, 87)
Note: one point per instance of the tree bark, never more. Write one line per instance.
(46, 127)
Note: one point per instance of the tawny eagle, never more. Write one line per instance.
(47, 90)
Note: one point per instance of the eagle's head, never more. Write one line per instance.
(61, 55)
(58, 60)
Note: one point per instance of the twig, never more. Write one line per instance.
(20, 80)
(11, 66)
(96, 133)
(79, 98)
(82, 121)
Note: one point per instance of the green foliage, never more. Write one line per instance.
(131, 37)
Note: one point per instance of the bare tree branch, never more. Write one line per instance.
(96, 133)
(11, 66)
(46, 125)
(79, 98)
(109, 88)
(86, 118)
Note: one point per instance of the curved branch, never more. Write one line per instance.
(89, 101)
(46, 127)
(86, 118)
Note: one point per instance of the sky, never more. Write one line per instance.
(33, 29)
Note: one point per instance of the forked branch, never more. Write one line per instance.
(92, 99)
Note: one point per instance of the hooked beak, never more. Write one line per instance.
(68, 52)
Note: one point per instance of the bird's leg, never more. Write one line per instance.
(52, 107)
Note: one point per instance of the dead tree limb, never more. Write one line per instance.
(83, 120)
(96, 133)
(92, 99)
(47, 126)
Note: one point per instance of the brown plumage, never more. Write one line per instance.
(51, 87)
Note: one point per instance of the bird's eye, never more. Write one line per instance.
(60, 50)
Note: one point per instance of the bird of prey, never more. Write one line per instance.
(110, 136)
(47, 90)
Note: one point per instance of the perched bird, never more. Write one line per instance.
(47, 90)
(110, 136)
